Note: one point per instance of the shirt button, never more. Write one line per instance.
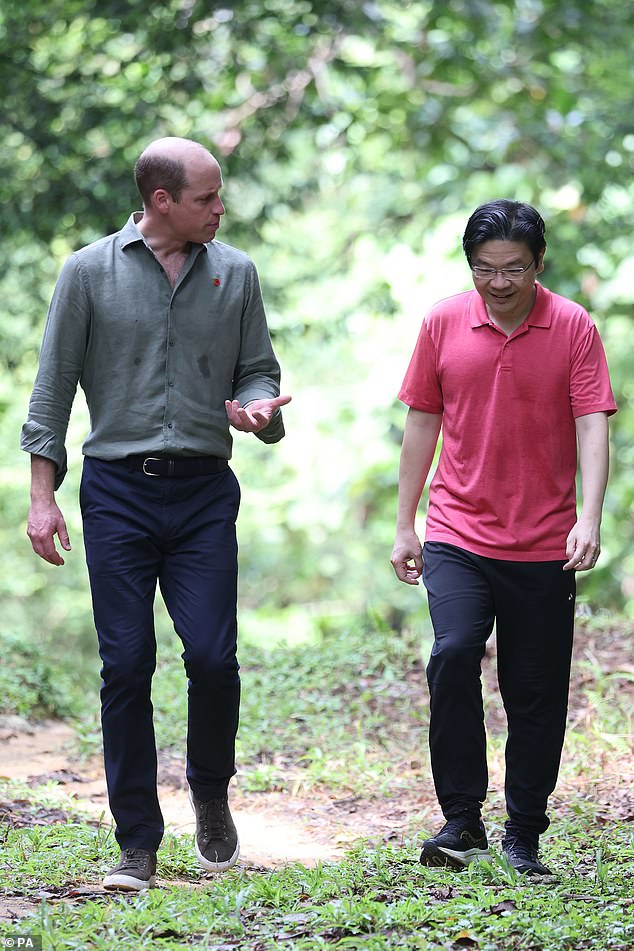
(171, 342)
(171, 383)
(169, 426)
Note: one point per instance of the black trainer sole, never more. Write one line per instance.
(534, 871)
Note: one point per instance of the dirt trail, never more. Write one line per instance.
(281, 827)
(274, 827)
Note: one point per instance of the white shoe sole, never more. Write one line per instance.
(434, 856)
(466, 858)
(127, 883)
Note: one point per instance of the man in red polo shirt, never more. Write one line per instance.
(516, 377)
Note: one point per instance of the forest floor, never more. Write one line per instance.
(315, 825)
(275, 827)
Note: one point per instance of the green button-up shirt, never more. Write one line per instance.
(156, 362)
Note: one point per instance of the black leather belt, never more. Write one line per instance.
(176, 467)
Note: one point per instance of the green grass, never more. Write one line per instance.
(345, 711)
(346, 714)
(33, 684)
(377, 898)
(315, 714)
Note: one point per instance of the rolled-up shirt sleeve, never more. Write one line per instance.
(60, 366)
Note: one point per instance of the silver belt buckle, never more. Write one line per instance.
(155, 475)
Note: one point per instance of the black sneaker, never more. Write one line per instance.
(217, 846)
(135, 872)
(456, 845)
(521, 854)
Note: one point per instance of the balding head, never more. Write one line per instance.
(164, 164)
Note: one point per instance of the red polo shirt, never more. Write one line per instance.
(505, 482)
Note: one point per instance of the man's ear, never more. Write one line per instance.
(162, 200)
(539, 267)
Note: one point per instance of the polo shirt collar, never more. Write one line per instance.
(540, 315)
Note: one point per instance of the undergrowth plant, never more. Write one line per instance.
(376, 897)
(351, 718)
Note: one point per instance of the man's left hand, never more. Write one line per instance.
(583, 546)
(255, 416)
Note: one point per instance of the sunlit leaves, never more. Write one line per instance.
(354, 138)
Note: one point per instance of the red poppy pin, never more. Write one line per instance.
(216, 281)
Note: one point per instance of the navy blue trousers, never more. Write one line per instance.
(532, 607)
(179, 532)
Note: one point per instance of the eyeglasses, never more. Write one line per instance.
(508, 273)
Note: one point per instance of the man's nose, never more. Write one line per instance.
(499, 280)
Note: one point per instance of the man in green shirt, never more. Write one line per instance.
(164, 329)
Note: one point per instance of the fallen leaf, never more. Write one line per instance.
(464, 940)
(444, 893)
(503, 908)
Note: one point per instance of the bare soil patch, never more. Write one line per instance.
(309, 827)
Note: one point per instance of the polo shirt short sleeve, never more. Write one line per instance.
(505, 483)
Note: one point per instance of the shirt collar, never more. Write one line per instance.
(539, 316)
(130, 233)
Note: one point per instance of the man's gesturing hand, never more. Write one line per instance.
(255, 416)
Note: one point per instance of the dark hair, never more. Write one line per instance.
(504, 220)
(154, 171)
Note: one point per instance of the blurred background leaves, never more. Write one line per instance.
(355, 139)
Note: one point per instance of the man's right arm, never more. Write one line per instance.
(419, 444)
(62, 356)
(45, 518)
(44, 432)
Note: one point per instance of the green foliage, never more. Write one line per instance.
(362, 688)
(294, 734)
(355, 139)
(32, 685)
(347, 710)
(378, 898)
